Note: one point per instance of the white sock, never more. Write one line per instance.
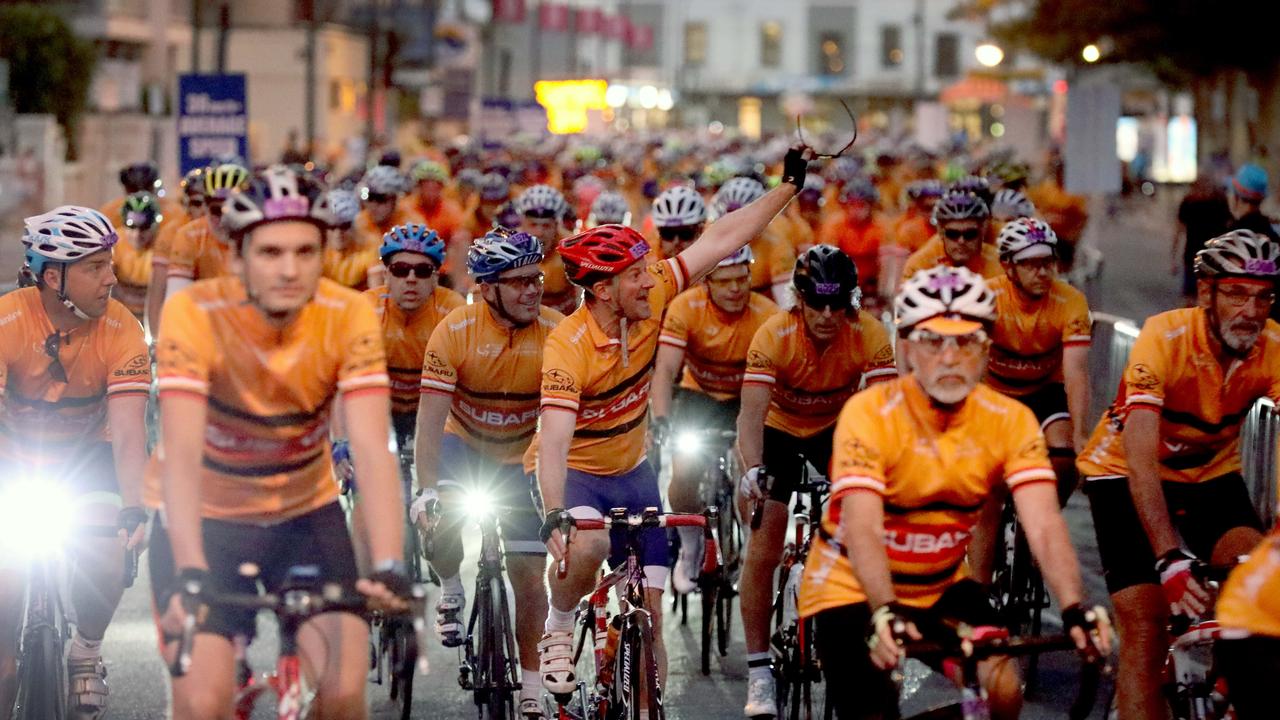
(559, 620)
(758, 666)
(530, 684)
(82, 649)
(690, 538)
(452, 586)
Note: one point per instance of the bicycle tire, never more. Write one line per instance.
(404, 653)
(650, 679)
(506, 661)
(710, 603)
(627, 703)
(42, 676)
(494, 686)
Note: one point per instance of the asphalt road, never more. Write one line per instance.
(1135, 283)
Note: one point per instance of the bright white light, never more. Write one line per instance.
(688, 443)
(1091, 53)
(477, 503)
(616, 96)
(997, 129)
(715, 127)
(648, 97)
(989, 54)
(665, 101)
(35, 517)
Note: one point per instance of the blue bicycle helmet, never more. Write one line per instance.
(501, 250)
(414, 238)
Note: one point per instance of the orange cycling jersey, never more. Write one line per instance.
(714, 342)
(775, 259)
(445, 217)
(493, 374)
(912, 230)
(803, 235)
(557, 292)
(1250, 600)
(811, 385)
(1030, 335)
(133, 275)
(349, 267)
(197, 253)
(585, 371)
(269, 393)
(931, 254)
(164, 241)
(405, 340)
(860, 241)
(44, 420)
(934, 471)
(1173, 371)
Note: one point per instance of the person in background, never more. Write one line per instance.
(857, 229)
(348, 259)
(1202, 215)
(142, 220)
(913, 228)
(380, 191)
(1248, 190)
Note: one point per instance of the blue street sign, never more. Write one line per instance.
(213, 120)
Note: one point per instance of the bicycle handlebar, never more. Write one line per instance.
(651, 517)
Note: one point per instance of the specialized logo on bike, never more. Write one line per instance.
(926, 543)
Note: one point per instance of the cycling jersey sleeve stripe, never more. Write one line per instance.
(371, 390)
(182, 384)
(181, 272)
(758, 379)
(672, 341)
(881, 374)
(561, 403)
(1029, 475)
(364, 381)
(682, 273)
(1145, 400)
(857, 482)
(437, 386)
(126, 387)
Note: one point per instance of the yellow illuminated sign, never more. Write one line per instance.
(567, 102)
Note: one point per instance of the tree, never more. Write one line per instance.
(49, 67)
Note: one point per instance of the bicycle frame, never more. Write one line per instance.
(42, 617)
(476, 671)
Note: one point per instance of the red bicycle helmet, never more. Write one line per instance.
(605, 251)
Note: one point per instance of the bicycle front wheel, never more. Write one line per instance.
(493, 654)
(404, 658)
(42, 676)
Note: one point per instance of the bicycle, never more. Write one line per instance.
(488, 663)
(625, 669)
(960, 655)
(716, 489)
(794, 657)
(1018, 587)
(1194, 688)
(301, 598)
(35, 524)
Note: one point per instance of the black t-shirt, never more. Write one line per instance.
(1205, 217)
(1258, 223)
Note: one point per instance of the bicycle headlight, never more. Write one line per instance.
(477, 503)
(688, 442)
(35, 516)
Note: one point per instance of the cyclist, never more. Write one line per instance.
(806, 213)
(914, 228)
(142, 220)
(962, 219)
(609, 208)
(541, 208)
(1008, 205)
(430, 200)
(72, 362)
(349, 259)
(857, 229)
(907, 489)
(493, 191)
(589, 450)
(479, 409)
(1164, 461)
(775, 257)
(202, 248)
(801, 367)
(679, 215)
(1249, 608)
(380, 191)
(193, 208)
(141, 177)
(410, 307)
(248, 365)
(707, 330)
(1039, 350)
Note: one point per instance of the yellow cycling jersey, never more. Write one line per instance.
(1250, 600)
(493, 373)
(714, 342)
(133, 275)
(405, 340)
(931, 254)
(934, 470)
(1030, 335)
(809, 386)
(195, 252)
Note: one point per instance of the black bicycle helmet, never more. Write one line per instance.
(139, 177)
(824, 276)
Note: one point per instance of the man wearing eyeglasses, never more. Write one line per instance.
(72, 362)
(801, 367)
(479, 409)
(962, 219)
(381, 190)
(541, 208)
(1162, 470)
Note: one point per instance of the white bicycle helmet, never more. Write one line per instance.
(609, 208)
(273, 195)
(1025, 238)
(742, 256)
(960, 205)
(735, 193)
(942, 291)
(65, 235)
(679, 206)
(1240, 254)
(382, 180)
(542, 201)
(1008, 204)
(345, 206)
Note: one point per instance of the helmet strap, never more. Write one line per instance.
(501, 309)
(62, 294)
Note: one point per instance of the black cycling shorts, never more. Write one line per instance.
(1048, 404)
(318, 538)
(695, 410)
(856, 688)
(785, 455)
(404, 425)
(1250, 666)
(1201, 512)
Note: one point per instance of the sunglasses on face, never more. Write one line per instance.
(522, 282)
(541, 214)
(970, 234)
(51, 345)
(195, 201)
(683, 234)
(380, 198)
(402, 270)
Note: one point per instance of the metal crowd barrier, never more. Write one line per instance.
(1113, 338)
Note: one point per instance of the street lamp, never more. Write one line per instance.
(1091, 53)
(988, 54)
